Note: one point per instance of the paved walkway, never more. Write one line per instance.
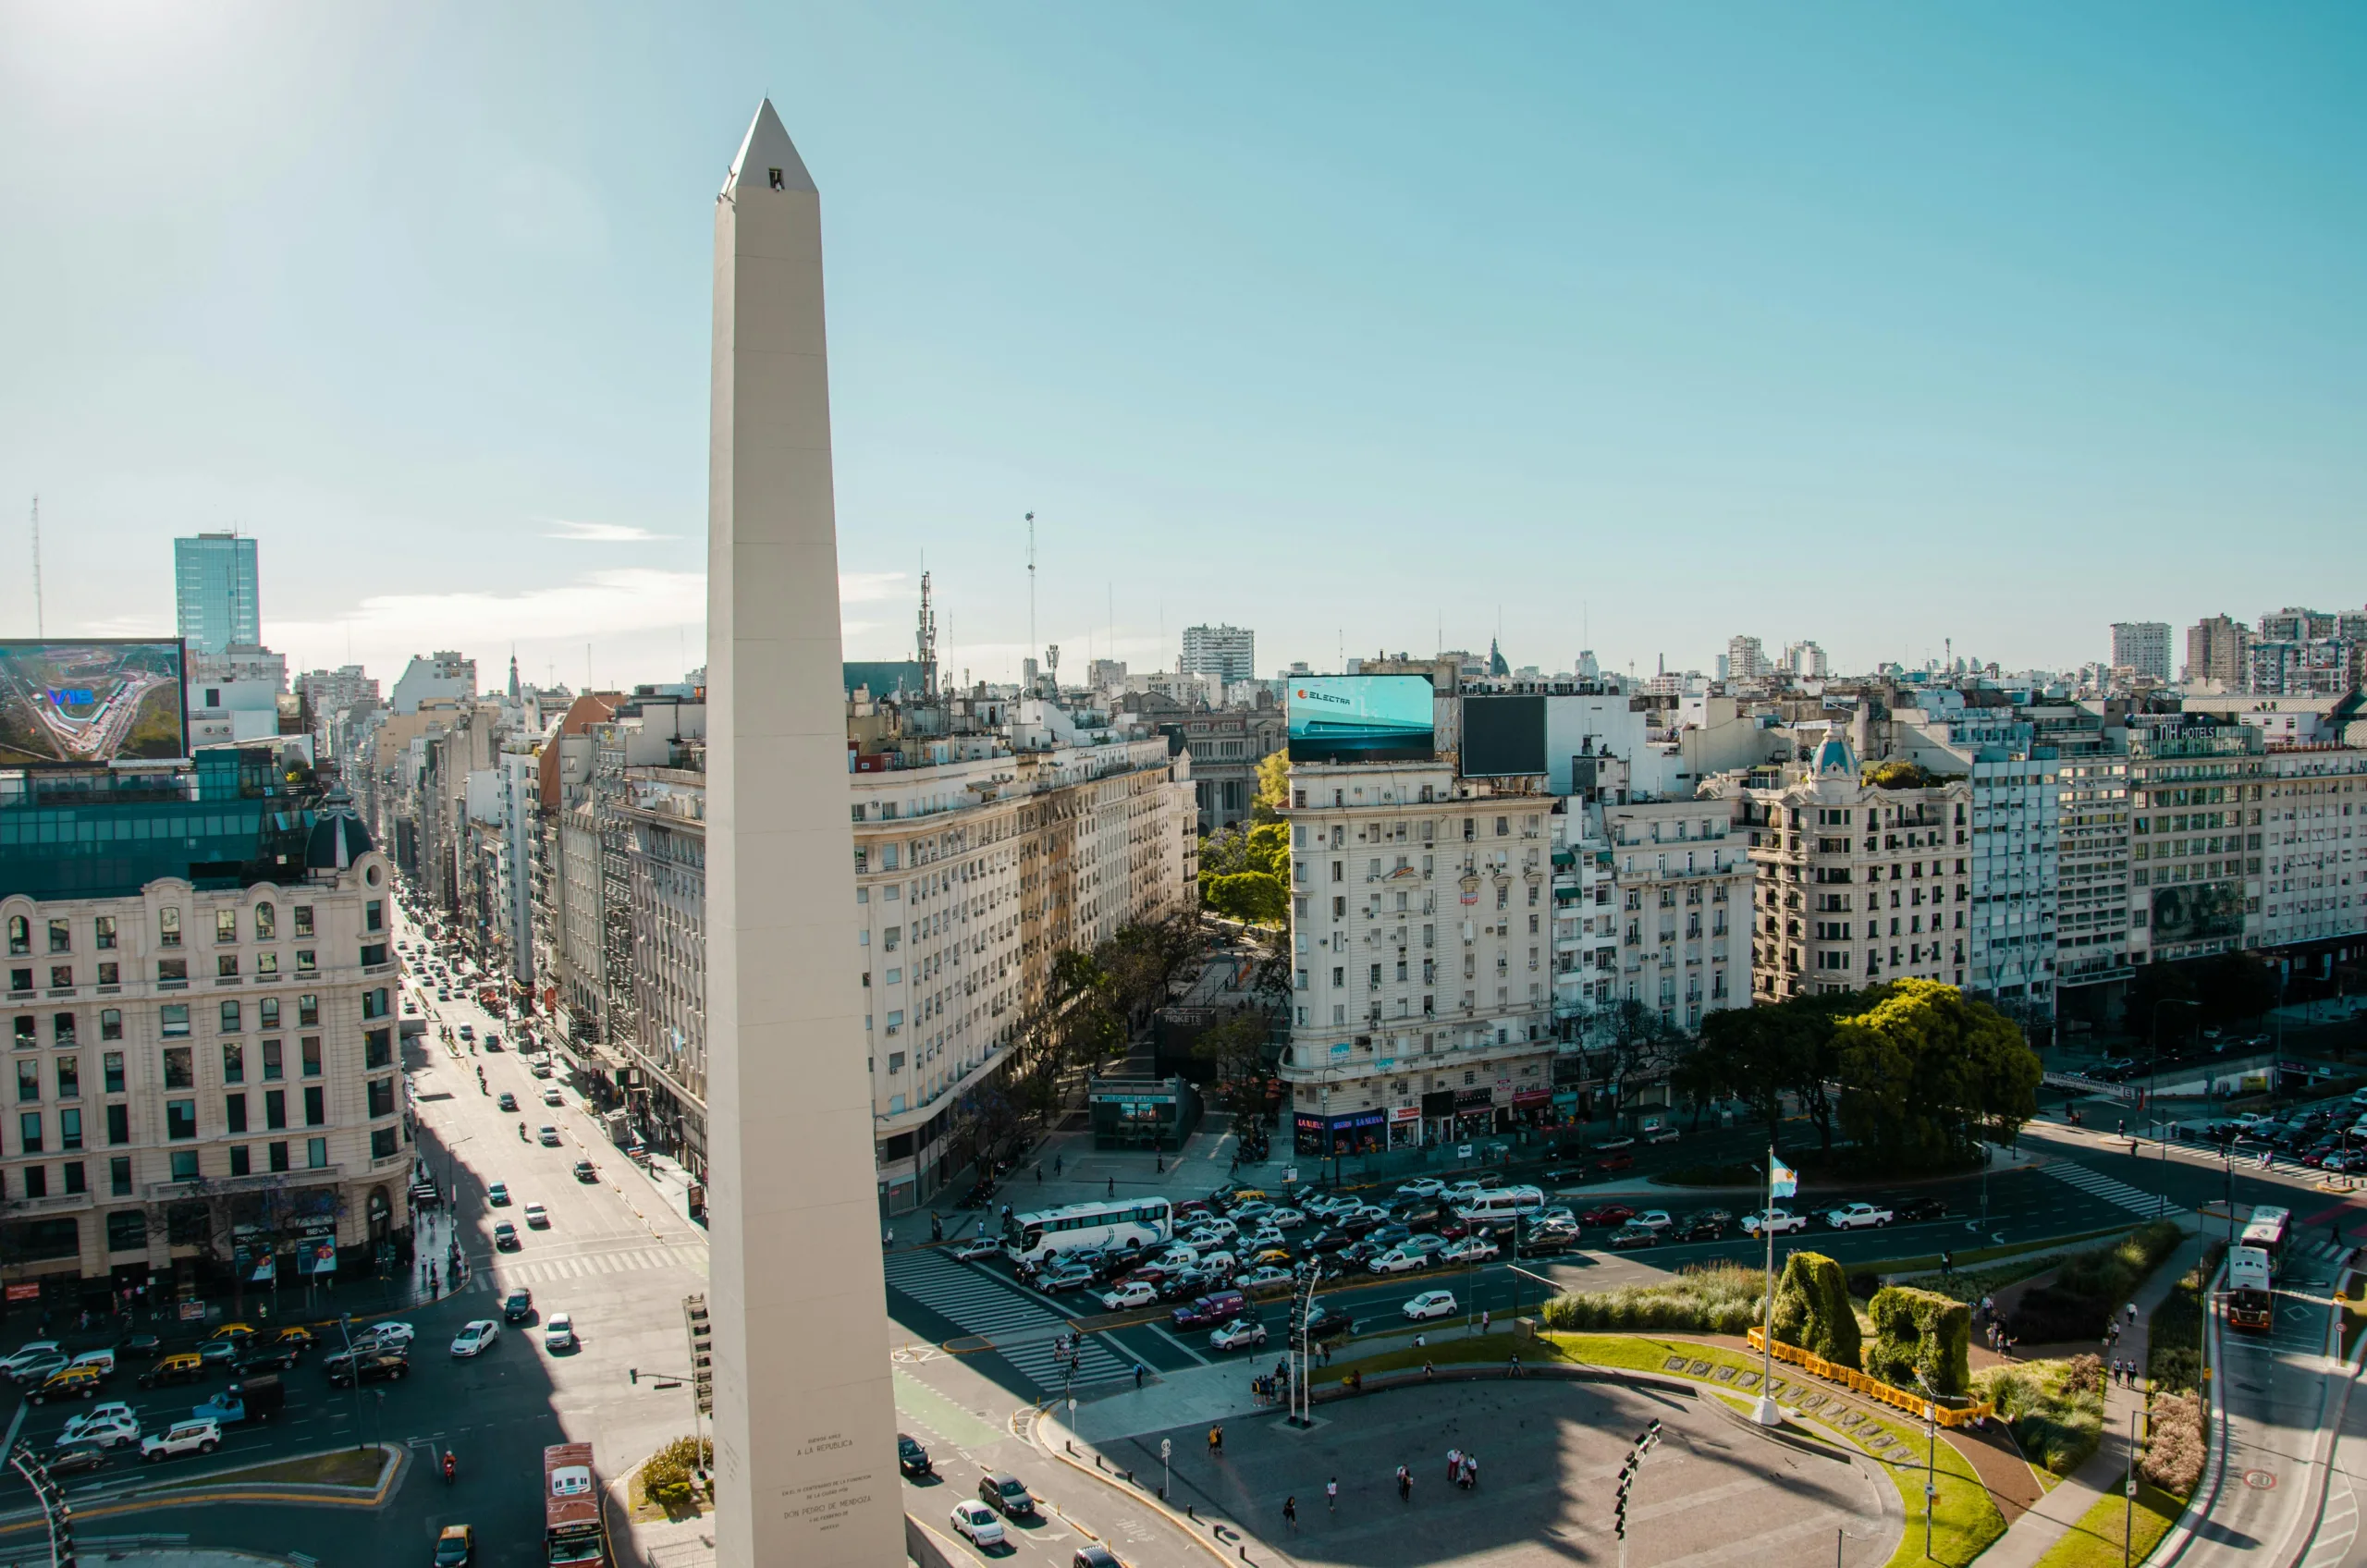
(2029, 1538)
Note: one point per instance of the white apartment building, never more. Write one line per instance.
(1805, 660)
(2313, 844)
(1683, 891)
(1746, 660)
(972, 875)
(1856, 884)
(202, 1070)
(1422, 991)
(1227, 653)
(2142, 646)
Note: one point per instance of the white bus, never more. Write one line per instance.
(2268, 1229)
(1032, 1238)
(1503, 1203)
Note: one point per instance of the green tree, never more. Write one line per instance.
(1235, 1045)
(1636, 1046)
(1250, 896)
(1928, 1072)
(1273, 788)
(1267, 848)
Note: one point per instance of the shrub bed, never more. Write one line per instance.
(2173, 1455)
(2091, 1286)
(666, 1479)
(1705, 1299)
(2055, 1409)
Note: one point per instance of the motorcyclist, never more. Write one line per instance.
(451, 1466)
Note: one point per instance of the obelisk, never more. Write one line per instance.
(805, 1414)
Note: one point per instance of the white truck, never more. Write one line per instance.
(1857, 1216)
(1774, 1222)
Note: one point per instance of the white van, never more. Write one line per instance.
(1503, 1203)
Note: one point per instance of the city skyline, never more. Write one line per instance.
(1171, 325)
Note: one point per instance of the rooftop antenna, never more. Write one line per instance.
(1031, 585)
(39, 626)
(927, 642)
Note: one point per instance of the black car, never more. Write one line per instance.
(1918, 1210)
(911, 1458)
(366, 1367)
(517, 1306)
(1327, 1322)
(132, 1345)
(1545, 1244)
(1007, 1495)
(1387, 1235)
(276, 1357)
(73, 1459)
(1709, 1225)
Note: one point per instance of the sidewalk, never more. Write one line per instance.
(2029, 1538)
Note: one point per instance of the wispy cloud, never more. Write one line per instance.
(601, 532)
(868, 587)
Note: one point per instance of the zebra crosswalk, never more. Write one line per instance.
(1023, 1329)
(505, 1275)
(2099, 1186)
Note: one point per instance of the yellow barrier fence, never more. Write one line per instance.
(1873, 1388)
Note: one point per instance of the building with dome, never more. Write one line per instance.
(201, 1006)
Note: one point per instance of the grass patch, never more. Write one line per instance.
(1930, 1263)
(2174, 1333)
(2055, 1409)
(2097, 1541)
(1702, 1299)
(343, 1467)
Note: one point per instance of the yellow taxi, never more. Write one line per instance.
(292, 1335)
(182, 1367)
(456, 1548)
(72, 1382)
(233, 1331)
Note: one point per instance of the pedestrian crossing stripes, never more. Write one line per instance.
(1020, 1328)
(505, 1275)
(2096, 1184)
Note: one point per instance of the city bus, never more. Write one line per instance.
(1032, 1238)
(575, 1533)
(2268, 1230)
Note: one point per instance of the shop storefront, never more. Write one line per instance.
(1457, 1115)
(1361, 1131)
(1405, 1127)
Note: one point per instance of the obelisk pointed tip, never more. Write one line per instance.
(767, 159)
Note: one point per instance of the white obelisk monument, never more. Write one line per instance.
(805, 1416)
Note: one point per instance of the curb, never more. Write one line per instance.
(136, 1500)
(1066, 1454)
(2181, 1533)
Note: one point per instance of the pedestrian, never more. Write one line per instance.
(1332, 1495)
(1515, 1372)
(1453, 1466)
(1426, 1371)
(1216, 1442)
(1138, 1373)
(1039, 1172)
(1158, 1163)
(1483, 1322)
(1420, 1341)
(1056, 1165)
(2132, 1314)
(1404, 1485)
(1114, 1188)
(1325, 1352)
(1471, 1471)
(1290, 1512)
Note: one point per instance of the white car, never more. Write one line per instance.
(1653, 1220)
(1266, 1278)
(1775, 1221)
(1219, 1262)
(559, 1332)
(475, 1338)
(26, 1354)
(1242, 1333)
(1286, 1218)
(1857, 1216)
(979, 1248)
(1398, 1261)
(184, 1437)
(113, 1425)
(1661, 1134)
(1134, 1292)
(1472, 1249)
(1429, 1304)
(386, 1336)
(537, 1217)
(1216, 1230)
(1421, 1187)
(1267, 1236)
(976, 1521)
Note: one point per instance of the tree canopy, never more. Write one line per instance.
(1928, 1072)
(1245, 874)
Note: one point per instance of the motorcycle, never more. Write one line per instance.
(450, 1469)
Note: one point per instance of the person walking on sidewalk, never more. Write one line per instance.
(1216, 1442)
(1332, 1495)
(1404, 1485)
(2132, 1314)
(1483, 1320)
(1290, 1512)
(1453, 1466)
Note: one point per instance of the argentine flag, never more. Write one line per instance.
(1782, 1180)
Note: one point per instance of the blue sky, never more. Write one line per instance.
(1623, 327)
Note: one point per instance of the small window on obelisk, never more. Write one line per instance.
(776, 185)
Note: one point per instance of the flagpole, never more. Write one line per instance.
(1766, 1413)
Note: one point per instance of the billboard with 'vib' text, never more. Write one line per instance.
(91, 703)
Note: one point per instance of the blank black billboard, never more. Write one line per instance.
(1504, 735)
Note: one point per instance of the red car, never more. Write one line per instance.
(1608, 1214)
(1614, 1162)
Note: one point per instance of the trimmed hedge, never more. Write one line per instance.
(1814, 1310)
(1705, 1299)
(1921, 1332)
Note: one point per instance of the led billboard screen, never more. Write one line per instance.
(2198, 911)
(1360, 719)
(91, 703)
(1504, 735)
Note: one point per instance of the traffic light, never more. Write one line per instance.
(702, 1337)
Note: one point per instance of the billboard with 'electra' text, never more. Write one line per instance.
(1360, 719)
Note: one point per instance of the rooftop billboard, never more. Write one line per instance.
(1360, 719)
(1504, 735)
(90, 704)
